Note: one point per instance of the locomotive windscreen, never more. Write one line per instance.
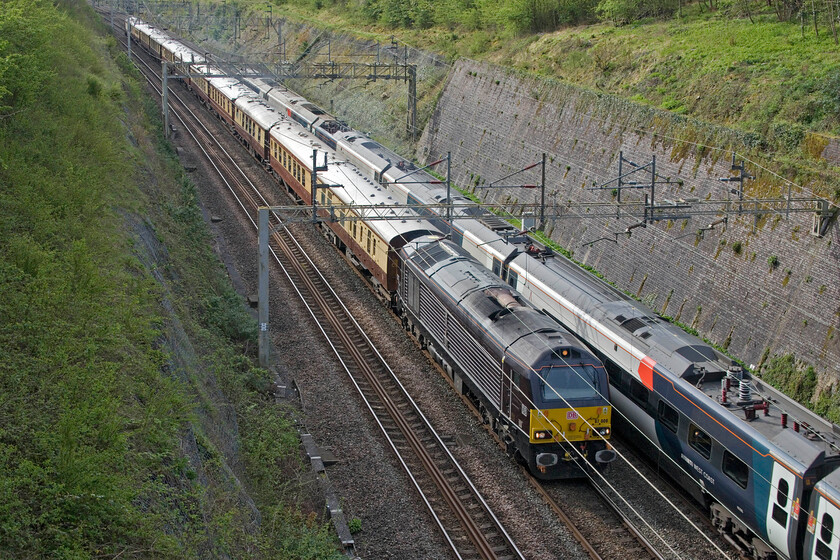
(572, 382)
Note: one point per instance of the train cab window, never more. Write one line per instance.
(497, 267)
(700, 441)
(823, 549)
(512, 278)
(668, 416)
(779, 512)
(639, 393)
(736, 469)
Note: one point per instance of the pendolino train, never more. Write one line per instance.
(765, 467)
(541, 389)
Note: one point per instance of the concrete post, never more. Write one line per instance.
(262, 294)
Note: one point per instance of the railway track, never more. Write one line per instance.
(465, 520)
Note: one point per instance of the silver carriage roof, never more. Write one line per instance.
(253, 106)
(231, 88)
(829, 487)
(363, 148)
(288, 99)
(685, 355)
(181, 52)
(496, 306)
(146, 28)
(356, 189)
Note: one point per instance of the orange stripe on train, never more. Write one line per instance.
(646, 371)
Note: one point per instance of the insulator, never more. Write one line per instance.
(744, 390)
(723, 388)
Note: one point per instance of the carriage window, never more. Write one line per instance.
(827, 529)
(700, 441)
(735, 469)
(669, 417)
(497, 267)
(639, 393)
(779, 512)
(823, 550)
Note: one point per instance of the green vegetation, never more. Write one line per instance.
(799, 381)
(121, 350)
(744, 64)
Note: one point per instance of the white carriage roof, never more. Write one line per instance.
(356, 188)
(253, 106)
(229, 87)
(830, 486)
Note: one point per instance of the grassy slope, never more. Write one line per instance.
(105, 441)
(711, 66)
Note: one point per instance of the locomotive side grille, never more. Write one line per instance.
(432, 314)
(475, 361)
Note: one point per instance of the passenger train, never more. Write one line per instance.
(540, 387)
(764, 466)
(761, 463)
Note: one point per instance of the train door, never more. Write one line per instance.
(821, 524)
(781, 503)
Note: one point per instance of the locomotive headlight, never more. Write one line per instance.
(542, 434)
(604, 431)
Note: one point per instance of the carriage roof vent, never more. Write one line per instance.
(633, 324)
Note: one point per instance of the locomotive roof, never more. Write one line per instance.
(515, 324)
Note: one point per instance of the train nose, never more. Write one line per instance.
(546, 459)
